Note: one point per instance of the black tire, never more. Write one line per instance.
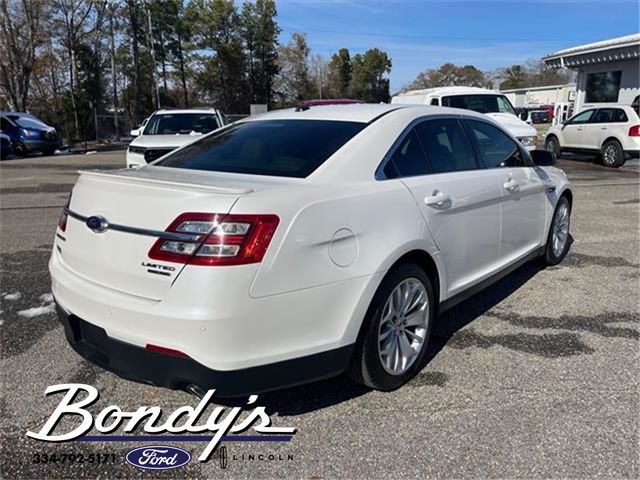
(551, 144)
(366, 365)
(49, 151)
(19, 149)
(550, 257)
(612, 154)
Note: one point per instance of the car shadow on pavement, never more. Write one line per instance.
(316, 396)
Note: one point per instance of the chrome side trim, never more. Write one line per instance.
(183, 237)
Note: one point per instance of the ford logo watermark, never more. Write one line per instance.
(158, 457)
(97, 224)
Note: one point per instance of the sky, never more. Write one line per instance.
(421, 34)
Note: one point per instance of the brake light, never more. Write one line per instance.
(634, 131)
(216, 239)
(62, 223)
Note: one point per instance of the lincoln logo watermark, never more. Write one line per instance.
(222, 422)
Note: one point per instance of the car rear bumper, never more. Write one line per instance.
(138, 364)
(209, 315)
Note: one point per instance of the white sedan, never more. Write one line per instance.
(300, 244)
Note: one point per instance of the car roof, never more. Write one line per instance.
(359, 112)
(331, 101)
(165, 111)
(452, 90)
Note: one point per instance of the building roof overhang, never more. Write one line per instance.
(614, 50)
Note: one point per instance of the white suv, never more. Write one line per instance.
(491, 103)
(169, 129)
(612, 130)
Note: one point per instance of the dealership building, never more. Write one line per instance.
(607, 71)
(536, 96)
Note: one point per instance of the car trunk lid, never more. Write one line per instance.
(137, 203)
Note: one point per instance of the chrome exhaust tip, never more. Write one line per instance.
(196, 390)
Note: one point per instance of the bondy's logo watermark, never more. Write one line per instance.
(158, 457)
(221, 422)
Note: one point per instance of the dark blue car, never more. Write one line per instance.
(28, 134)
(5, 146)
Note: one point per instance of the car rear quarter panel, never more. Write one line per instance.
(377, 221)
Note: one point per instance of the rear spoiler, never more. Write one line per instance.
(191, 181)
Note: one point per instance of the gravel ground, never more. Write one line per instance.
(535, 377)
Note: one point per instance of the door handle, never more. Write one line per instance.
(511, 186)
(580, 128)
(603, 128)
(438, 200)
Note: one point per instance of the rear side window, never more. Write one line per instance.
(283, 148)
(497, 148)
(610, 115)
(435, 101)
(408, 159)
(447, 146)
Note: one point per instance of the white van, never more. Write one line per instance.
(481, 100)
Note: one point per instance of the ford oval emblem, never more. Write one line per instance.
(98, 224)
(158, 457)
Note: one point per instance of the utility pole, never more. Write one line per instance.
(113, 73)
(153, 56)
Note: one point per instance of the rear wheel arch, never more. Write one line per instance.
(418, 257)
(610, 138)
(426, 262)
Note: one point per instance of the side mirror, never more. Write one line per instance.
(543, 158)
(135, 133)
(524, 115)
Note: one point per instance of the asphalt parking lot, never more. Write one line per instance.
(535, 377)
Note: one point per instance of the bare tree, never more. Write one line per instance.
(20, 36)
(74, 15)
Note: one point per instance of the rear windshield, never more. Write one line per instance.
(479, 103)
(181, 123)
(283, 148)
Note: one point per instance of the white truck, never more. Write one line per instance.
(481, 100)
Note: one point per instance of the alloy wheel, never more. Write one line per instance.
(560, 229)
(403, 326)
(610, 154)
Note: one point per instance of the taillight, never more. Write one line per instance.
(634, 131)
(217, 239)
(62, 223)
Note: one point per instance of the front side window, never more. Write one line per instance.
(497, 148)
(447, 146)
(181, 123)
(603, 87)
(408, 159)
(582, 117)
(480, 103)
(284, 148)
